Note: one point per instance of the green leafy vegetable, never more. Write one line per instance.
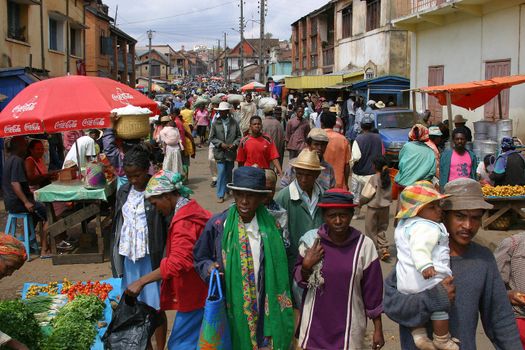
(17, 321)
(74, 328)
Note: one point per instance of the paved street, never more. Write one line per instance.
(43, 270)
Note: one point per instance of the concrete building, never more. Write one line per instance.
(45, 36)
(459, 41)
(280, 62)
(347, 40)
(251, 48)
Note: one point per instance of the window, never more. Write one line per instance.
(347, 21)
(75, 41)
(373, 14)
(106, 45)
(56, 34)
(16, 21)
(436, 76)
(155, 70)
(369, 73)
(494, 69)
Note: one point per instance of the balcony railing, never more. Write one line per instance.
(409, 7)
(328, 56)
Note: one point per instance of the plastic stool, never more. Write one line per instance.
(29, 230)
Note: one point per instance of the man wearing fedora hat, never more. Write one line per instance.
(225, 135)
(317, 141)
(245, 244)
(461, 122)
(476, 289)
(300, 200)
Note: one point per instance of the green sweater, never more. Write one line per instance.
(299, 219)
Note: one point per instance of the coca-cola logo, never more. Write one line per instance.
(32, 126)
(122, 96)
(11, 129)
(92, 122)
(65, 124)
(21, 108)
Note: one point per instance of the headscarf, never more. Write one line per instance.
(507, 143)
(507, 148)
(418, 133)
(11, 249)
(166, 181)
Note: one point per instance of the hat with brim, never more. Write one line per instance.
(459, 119)
(325, 105)
(308, 160)
(337, 198)
(251, 179)
(165, 119)
(380, 105)
(415, 197)
(318, 134)
(223, 106)
(434, 131)
(339, 99)
(464, 194)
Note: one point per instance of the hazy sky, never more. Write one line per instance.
(194, 22)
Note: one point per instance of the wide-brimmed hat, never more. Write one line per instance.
(337, 198)
(165, 119)
(371, 103)
(415, 197)
(251, 179)
(434, 131)
(464, 194)
(458, 118)
(318, 134)
(339, 99)
(308, 160)
(380, 105)
(333, 109)
(325, 105)
(223, 106)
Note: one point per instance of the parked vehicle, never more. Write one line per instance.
(393, 125)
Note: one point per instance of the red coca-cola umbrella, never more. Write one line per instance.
(73, 102)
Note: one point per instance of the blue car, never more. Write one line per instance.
(393, 125)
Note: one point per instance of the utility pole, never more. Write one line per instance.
(261, 41)
(217, 61)
(225, 60)
(242, 41)
(150, 36)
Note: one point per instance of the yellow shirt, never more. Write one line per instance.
(187, 116)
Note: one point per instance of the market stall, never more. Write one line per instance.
(507, 201)
(87, 204)
(72, 103)
(62, 315)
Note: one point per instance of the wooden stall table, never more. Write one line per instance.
(87, 207)
(502, 205)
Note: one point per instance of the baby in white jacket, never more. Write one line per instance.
(423, 256)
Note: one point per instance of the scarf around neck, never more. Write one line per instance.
(242, 309)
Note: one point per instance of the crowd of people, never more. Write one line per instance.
(295, 272)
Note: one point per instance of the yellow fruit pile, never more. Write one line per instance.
(49, 289)
(503, 191)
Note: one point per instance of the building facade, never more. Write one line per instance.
(98, 40)
(350, 38)
(159, 64)
(458, 41)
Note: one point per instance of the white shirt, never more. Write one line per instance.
(86, 148)
(311, 203)
(254, 236)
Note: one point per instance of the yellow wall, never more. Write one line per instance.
(14, 53)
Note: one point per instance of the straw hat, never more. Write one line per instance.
(458, 118)
(415, 197)
(380, 105)
(308, 160)
(318, 134)
(325, 105)
(165, 119)
(223, 106)
(333, 109)
(339, 99)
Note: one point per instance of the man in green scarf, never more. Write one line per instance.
(244, 243)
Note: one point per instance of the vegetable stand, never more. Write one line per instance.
(502, 205)
(87, 204)
(113, 296)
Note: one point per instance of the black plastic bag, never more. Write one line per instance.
(132, 325)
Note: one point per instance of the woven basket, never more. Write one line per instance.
(131, 127)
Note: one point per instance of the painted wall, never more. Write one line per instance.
(280, 68)
(18, 53)
(464, 43)
(97, 64)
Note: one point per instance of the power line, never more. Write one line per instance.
(183, 14)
